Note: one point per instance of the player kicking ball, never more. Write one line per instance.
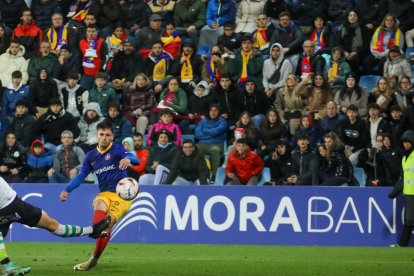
(13, 209)
(109, 162)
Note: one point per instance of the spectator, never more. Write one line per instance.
(309, 62)
(108, 14)
(218, 14)
(229, 40)
(401, 9)
(198, 104)
(57, 33)
(352, 94)
(12, 160)
(354, 134)
(391, 156)
(310, 11)
(408, 118)
(171, 40)
(396, 65)
(161, 156)
(275, 71)
(14, 92)
(228, 98)
(247, 13)
(11, 12)
(114, 43)
(244, 166)
(165, 123)
(338, 170)
(158, 65)
(68, 61)
(135, 15)
(39, 161)
(402, 96)
(396, 122)
(273, 8)
(94, 52)
(126, 64)
(271, 131)
(336, 10)
(211, 134)
(245, 129)
(306, 128)
(102, 94)
(4, 39)
(246, 64)
(332, 121)
(73, 95)
(386, 35)
(189, 18)
(305, 164)
(45, 60)
(42, 89)
(376, 124)
(189, 166)
(317, 95)
(214, 66)
(53, 122)
(147, 36)
(43, 11)
(188, 66)
(23, 124)
(11, 61)
(121, 126)
(141, 152)
(138, 100)
(262, 34)
(280, 163)
(372, 12)
(87, 125)
(255, 102)
(336, 69)
(77, 29)
(382, 94)
(67, 160)
(164, 8)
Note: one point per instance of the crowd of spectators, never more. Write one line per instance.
(193, 85)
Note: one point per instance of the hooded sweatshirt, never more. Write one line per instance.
(87, 126)
(198, 104)
(10, 63)
(276, 71)
(41, 91)
(39, 163)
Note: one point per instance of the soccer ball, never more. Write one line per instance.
(127, 188)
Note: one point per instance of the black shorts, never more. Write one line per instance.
(21, 212)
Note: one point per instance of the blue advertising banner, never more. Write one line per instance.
(230, 215)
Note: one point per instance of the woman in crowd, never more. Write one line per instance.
(402, 96)
(396, 65)
(336, 69)
(271, 131)
(382, 94)
(214, 66)
(317, 95)
(280, 163)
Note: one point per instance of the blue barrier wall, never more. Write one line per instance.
(231, 215)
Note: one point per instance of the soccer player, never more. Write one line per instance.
(13, 209)
(109, 162)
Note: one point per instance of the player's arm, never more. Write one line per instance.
(129, 159)
(77, 181)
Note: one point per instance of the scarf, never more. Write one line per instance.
(318, 39)
(90, 54)
(187, 70)
(57, 39)
(163, 146)
(260, 39)
(81, 14)
(114, 40)
(333, 70)
(245, 61)
(213, 73)
(378, 39)
(161, 63)
(51, 117)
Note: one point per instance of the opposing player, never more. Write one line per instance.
(13, 209)
(109, 162)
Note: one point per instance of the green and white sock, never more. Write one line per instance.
(3, 253)
(67, 230)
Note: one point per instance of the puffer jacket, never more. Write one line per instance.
(39, 164)
(164, 156)
(143, 98)
(30, 36)
(13, 157)
(173, 129)
(103, 97)
(244, 167)
(41, 91)
(42, 12)
(221, 12)
(247, 13)
(10, 63)
(211, 131)
(72, 155)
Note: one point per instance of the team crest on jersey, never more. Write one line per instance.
(107, 156)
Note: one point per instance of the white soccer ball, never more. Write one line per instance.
(127, 188)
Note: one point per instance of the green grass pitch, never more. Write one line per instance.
(149, 259)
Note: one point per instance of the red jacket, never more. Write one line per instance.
(30, 36)
(244, 168)
(142, 155)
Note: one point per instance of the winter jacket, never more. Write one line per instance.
(371, 11)
(42, 12)
(246, 15)
(180, 102)
(317, 64)
(273, 9)
(164, 156)
(196, 65)
(24, 126)
(135, 12)
(11, 96)
(30, 36)
(142, 155)
(290, 37)
(328, 124)
(288, 102)
(347, 34)
(143, 98)
(199, 105)
(255, 103)
(229, 101)
(122, 128)
(39, 164)
(11, 12)
(254, 68)
(338, 164)
(305, 163)
(270, 134)
(76, 93)
(275, 72)
(103, 97)
(244, 167)
(190, 12)
(147, 36)
(232, 42)
(42, 91)
(191, 167)
(88, 128)
(13, 157)
(211, 131)
(307, 10)
(165, 10)
(312, 132)
(343, 69)
(107, 14)
(220, 67)
(391, 161)
(99, 62)
(50, 62)
(221, 12)
(126, 66)
(281, 168)
(172, 128)
(387, 34)
(4, 127)
(354, 135)
(347, 100)
(399, 67)
(70, 157)
(337, 10)
(383, 127)
(403, 10)
(73, 63)
(10, 63)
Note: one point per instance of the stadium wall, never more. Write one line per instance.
(343, 216)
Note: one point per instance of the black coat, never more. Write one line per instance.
(307, 10)
(281, 168)
(255, 103)
(73, 63)
(135, 12)
(126, 66)
(11, 12)
(272, 9)
(229, 102)
(371, 11)
(24, 127)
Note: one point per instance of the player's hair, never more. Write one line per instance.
(66, 132)
(105, 124)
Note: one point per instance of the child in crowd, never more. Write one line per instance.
(306, 127)
(165, 123)
(39, 161)
(114, 43)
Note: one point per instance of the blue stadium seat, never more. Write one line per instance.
(408, 52)
(188, 137)
(221, 175)
(264, 177)
(359, 174)
(368, 81)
